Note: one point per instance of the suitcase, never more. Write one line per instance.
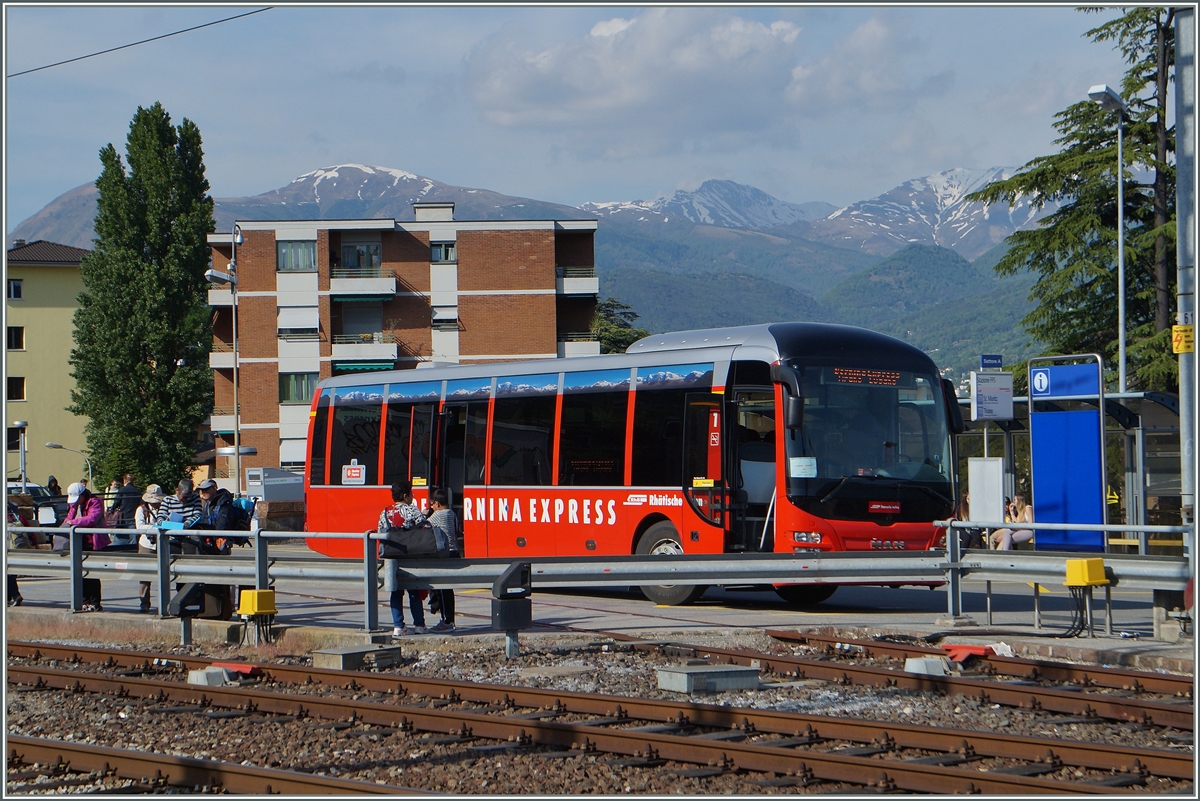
(91, 593)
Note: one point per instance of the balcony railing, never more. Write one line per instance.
(359, 272)
(222, 347)
(375, 338)
(577, 336)
(223, 410)
(574, 272)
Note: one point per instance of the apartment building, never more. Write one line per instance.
(42, 286)
(317, 298)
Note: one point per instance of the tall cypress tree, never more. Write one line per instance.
(1074, 250)
(143, 329)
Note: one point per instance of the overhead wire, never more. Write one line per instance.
(135, 44)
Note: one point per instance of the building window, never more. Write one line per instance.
(361, 258)
(14, 289)
(14, 439)
(295, 467)
(297, 387)
(443, 252)
(296, 257)
(16, 388)
(16, 337)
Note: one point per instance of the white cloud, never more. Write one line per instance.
(610, 27)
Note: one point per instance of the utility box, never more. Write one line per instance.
(512, 608)
(273, 484)
(356, 657)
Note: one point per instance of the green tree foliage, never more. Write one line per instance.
(142, 330)
(1073, 252)
(613, 326)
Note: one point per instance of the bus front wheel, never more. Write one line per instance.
(662, 539)
(805, 594)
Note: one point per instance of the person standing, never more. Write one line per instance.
(52, 486)
(443, 518)
(216, 507)
(143, 520)
(127, 500)
(403, 513)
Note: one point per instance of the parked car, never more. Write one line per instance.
(51, 509)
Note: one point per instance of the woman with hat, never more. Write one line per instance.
(143, 519)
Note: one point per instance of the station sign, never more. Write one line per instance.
(991, 396)
(991, 363)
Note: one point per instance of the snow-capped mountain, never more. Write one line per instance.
(933, 211)
(725, 204)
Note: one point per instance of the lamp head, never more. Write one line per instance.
(20, 424)
(220, 278)
(54, 446)
(1108, 98)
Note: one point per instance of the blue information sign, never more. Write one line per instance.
(1067, 455)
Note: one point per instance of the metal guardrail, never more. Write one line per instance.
(949, 567)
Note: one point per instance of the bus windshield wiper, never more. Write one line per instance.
(838, 487)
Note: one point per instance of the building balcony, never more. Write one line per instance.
(379, 346)
(223, 420)
(220, 297)
(221, 357)
(576, 281)
(580, 343)
(362, 282)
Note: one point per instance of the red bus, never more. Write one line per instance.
(786, 438)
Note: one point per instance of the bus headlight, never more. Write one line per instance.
(806, 536)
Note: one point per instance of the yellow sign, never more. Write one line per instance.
(702, 482)
(1183, 339)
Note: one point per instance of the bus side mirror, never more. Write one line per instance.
(957, 425)
(793, 412)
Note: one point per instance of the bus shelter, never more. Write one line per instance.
(1142, 450)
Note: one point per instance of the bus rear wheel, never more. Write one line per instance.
(805, 594)
(661, 539)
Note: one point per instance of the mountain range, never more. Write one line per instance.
(722, 254)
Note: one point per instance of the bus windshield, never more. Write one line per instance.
(869, 433)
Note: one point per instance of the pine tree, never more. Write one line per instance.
(1074, 250)
(143, 330)
(613, 327)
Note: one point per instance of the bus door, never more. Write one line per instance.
(462, 454)
(703, 460)
(751, 468)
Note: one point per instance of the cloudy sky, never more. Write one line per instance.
(561, 104)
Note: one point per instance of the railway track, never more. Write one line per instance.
(41, 765)
(787, 749)
(1122, 679)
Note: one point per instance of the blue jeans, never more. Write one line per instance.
(416, 608)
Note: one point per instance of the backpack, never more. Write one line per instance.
(240, 514)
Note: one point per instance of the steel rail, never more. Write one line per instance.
(990, 691)
(990, 744)
(182, 771)
(828, 766)
(1032, 669)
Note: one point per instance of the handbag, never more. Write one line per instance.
(410, 543)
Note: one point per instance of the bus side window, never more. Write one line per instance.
(592, 441)
(316, 459)
(523, 440)
(357, 417)
(397, 438)
(658, 437)
(422, 431)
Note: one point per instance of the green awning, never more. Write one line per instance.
(363, 367)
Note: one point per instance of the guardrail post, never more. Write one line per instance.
(953, 574)
(262, 578)
(76, 551)
(162, 549)
(1037, 606)
(370, 583)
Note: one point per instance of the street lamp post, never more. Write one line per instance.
(21, 425)
(231, 280)
(57, 447)
(1109, 100)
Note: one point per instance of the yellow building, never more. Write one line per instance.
(42, 286)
